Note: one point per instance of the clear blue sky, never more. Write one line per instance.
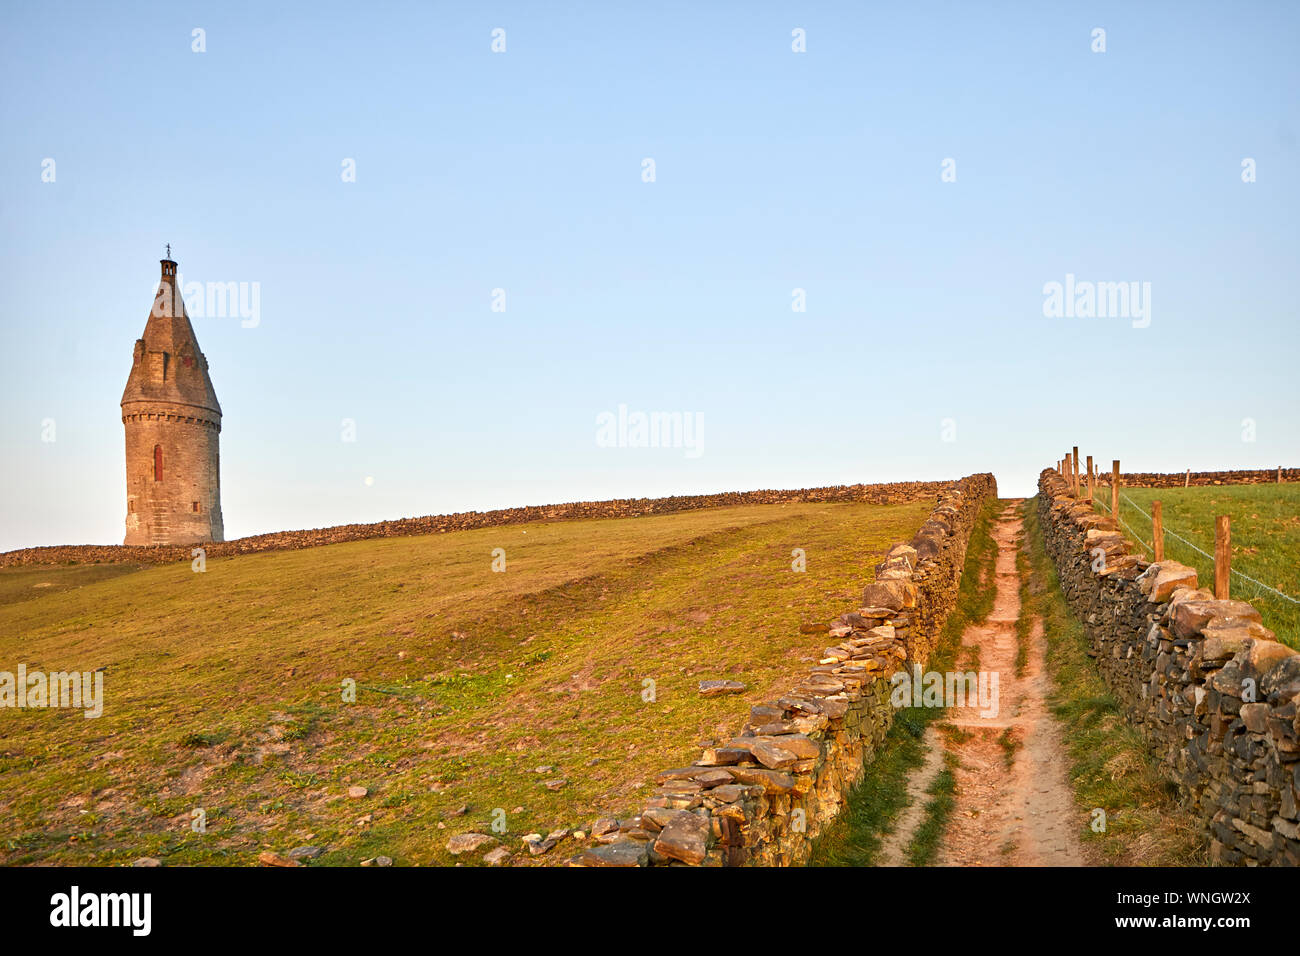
(522, 171)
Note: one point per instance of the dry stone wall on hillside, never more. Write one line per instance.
(1204, 681)
(1148, 479)
(762, 796)
(899, 492)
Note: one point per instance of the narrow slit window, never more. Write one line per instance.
(194, 506)
(157, 462)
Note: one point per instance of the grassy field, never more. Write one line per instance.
(474, 688)
(1265, 540)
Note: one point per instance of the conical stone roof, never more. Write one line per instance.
(168, 367)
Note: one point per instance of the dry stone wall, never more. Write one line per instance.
(762, 796)
(1148, 479)
(899, 492)
(1211, 691)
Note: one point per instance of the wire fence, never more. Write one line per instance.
(1149, 546)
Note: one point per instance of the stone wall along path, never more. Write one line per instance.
(762, 796)
(1216, 697)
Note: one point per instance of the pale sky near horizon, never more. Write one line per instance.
(523, 171)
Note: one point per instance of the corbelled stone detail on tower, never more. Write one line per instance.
(173, 422)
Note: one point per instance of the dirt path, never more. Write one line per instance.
(1014, 802)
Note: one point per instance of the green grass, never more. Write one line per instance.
(924, 847)
(224, 690)
(856, 836)
(1024, 622)
(1265, 539)
(1010, 744)
(21, 583)
(978, 587)
(1109, 765)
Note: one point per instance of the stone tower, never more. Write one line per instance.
(173, 421)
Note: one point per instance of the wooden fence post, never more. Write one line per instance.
(1114, 489)
(1157, 531)
(1222, 556)
(1089, 479)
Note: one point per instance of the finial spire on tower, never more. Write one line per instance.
(169, 250)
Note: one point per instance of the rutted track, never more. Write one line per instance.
(1014, 802)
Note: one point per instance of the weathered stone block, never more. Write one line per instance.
(1159, 581)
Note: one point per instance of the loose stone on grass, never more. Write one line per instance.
(468, 843)
(718, 688)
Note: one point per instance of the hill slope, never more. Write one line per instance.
(223, 689)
